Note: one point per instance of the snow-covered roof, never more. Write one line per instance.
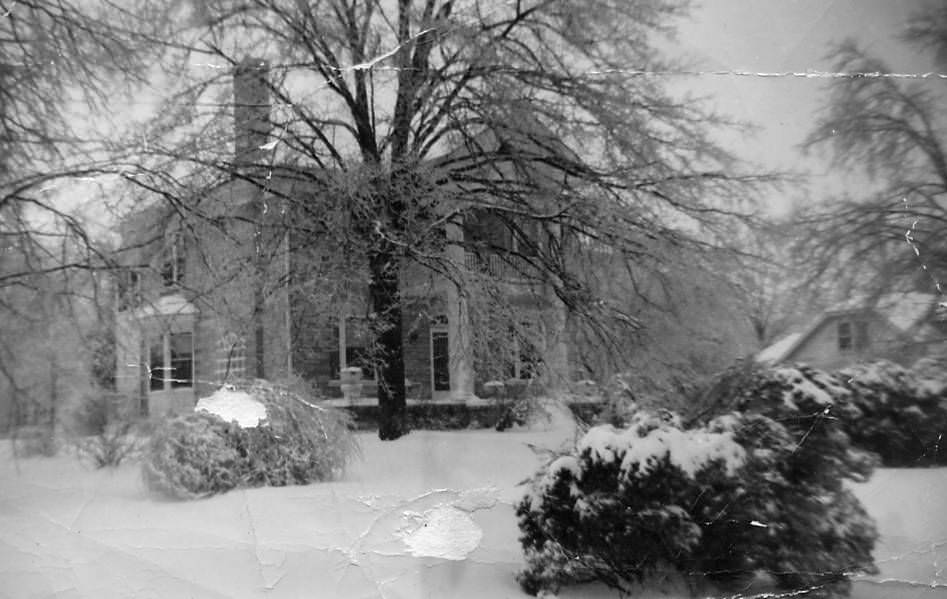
(906, 311)
(778, 351)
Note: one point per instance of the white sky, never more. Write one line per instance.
(770, 36)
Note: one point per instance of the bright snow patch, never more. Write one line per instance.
(444, 531)
(231, 405)
(477, 499)
(777, 352)
(689, 450)
(806, 385)
(73, 532)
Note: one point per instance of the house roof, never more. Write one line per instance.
(776, 352)
(905, 311)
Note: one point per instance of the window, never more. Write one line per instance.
(357, 339)
(171, 362)
(529, 362)
(440, 360)
(175, 259)
(231, 358)
(156, 366)
(129, 290)
(940, 312)
(487, 229)
(181, 348)
(524, 356)
(527, 239)
(845, 336)
(525, 363)
(853, 335)
(354, 356)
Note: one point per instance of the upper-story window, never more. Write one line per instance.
(129, 289)
(497, 242)
(852, 335)
(487, 230)
(174, 262)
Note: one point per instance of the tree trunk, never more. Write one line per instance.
(388, 352)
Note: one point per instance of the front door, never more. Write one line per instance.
(440, 363)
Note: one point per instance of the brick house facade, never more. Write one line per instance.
(218, 298)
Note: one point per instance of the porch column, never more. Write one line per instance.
(558, 373)
(460, 342)
(557, 347)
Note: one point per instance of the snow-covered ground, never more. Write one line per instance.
(429, 515)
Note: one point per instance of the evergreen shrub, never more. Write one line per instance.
(299, 442)
(758, 490)
(902, 413)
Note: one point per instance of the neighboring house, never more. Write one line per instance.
(203, 301)
(901, 327)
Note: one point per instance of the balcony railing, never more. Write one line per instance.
(511, 269)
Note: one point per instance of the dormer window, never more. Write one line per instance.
(852, 335)
(845, 336)
(172, 267)
(940, 312)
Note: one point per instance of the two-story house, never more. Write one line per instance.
(235, 293)
(901, 327)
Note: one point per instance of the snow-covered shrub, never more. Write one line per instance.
(299, 443)
(620, 507)
(191, 456)
(618, 403)
(521, 412)
(813, 406)
(518, 402)
(736, 495)
(104, 428)
(903, 413)
(932, 368)
(819, 532)
(295, 442)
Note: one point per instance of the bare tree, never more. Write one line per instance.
(408, 117)
(891, 130)
(62, 65)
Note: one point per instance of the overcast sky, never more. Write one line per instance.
(771, 36)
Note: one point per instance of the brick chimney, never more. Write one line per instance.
(251, 111)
